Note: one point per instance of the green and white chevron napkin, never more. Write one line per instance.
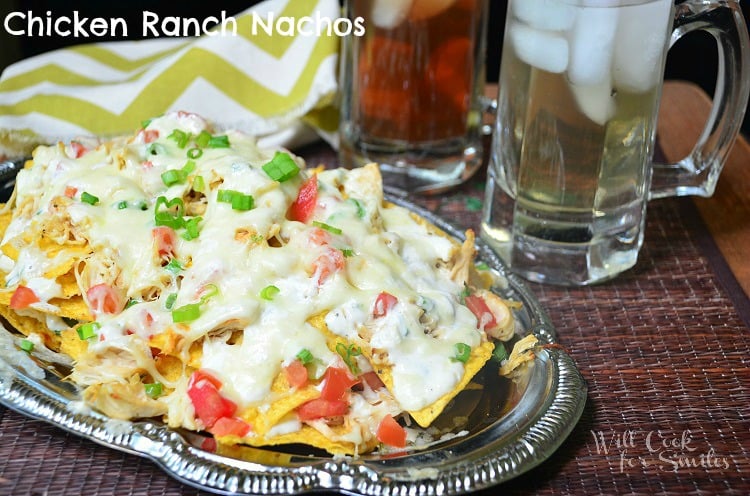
(277, 87)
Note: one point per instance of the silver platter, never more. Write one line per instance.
(507, 428)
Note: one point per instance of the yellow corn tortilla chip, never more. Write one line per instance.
(263, 421)
(69, 284)
(26, 324)
(72, 345)
(310, 436)
(5, 217)
(71, 308)
(425, 416)
(428, 414)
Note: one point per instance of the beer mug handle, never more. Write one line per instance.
(697, 173)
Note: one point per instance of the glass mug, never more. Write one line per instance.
(412, 91)
(571, 166)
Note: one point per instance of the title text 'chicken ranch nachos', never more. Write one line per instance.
(196, 278)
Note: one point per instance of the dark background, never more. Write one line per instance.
(693, 58)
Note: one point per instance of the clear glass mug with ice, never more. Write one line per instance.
(571, 167)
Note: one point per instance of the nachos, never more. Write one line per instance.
(196, 278)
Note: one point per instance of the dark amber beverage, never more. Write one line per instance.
(411, 89)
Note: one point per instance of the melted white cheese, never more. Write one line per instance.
(239, 253)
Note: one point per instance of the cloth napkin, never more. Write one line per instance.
(279, 88)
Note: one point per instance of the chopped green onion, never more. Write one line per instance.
(464, 293)
(192, 229)
(26, 345)
(239, 201)
(269, 292)
(167, 217)
(89, 198)
(218, 142)
(186, 313)
(172, 177)
(145, 123)
(131, 302)
(347, 252)
(180, 137)
(194, 153)
(170, 301)
(154, 390)
(305, 356)
(199, 184)
(463, 352)
(174, 266)
(500, 353)
(210, 290)
(482, 266)
(177, 176)
(202, 139)
(281, 167)
(360, 208)
(122, 205)
(327, 227)
(348, 354)
(87, 330)
(142, 205)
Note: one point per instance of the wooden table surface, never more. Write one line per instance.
(685, 107)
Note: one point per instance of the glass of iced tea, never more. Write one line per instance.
(411, 91)
(571, 167)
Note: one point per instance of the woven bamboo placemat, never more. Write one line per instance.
(664, 349)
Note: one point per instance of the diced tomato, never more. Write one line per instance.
(230, 426)
(150, 135)
(165, 240)
(70, 191)
(319, 237)
(391, 433)
(383, 303)
(320, 408)
(103, 298)
(372, 380)
(336, 383)
(202, 375)
(147, 164)
(23, 297)
(328, 263)
(296, 374)
(78, 149)
(303, 207)
(485, 317)
(209, 405)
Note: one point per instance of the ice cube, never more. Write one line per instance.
(550, 15)
(542, 49)
(595, 101)
(591, 45)
(388, 14)
(639, 46)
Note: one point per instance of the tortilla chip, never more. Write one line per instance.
(72, 308)
(69, 284)
(310, 436)
(428, 414)
(425, 416)
(27, 324)
(72, 345)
